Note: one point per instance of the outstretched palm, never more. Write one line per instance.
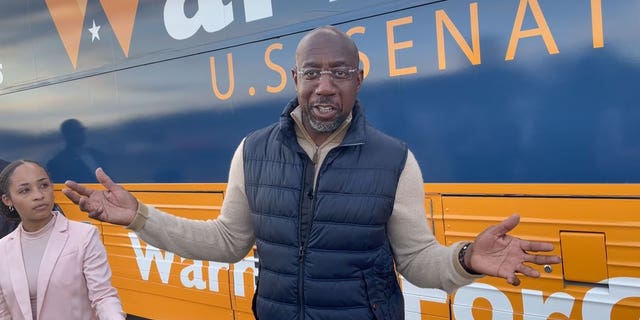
(498, 254)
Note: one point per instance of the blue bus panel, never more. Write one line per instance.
(482, 91)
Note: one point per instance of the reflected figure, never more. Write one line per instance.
(75, 161)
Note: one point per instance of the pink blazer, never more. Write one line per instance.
(74, 281)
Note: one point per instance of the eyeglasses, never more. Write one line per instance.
(341, 73)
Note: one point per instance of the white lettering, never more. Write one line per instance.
(257, 9)
(413, 295)
(463, 303)
(598, 302)
(191, 276)
(144, 259)
(213, 270)
(212, 15)
(238, 275)
(536, 308)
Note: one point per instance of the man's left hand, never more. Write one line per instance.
(495, 253)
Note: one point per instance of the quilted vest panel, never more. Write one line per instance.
(324, 251)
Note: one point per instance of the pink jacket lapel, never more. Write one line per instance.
(17, 273)
(57, 241)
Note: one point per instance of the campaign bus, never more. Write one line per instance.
(510, 106)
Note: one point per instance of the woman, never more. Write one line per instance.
(51, 268)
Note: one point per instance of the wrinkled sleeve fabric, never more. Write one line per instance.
(228, 238)
(97, 272)
(420, 258)
(4, 308)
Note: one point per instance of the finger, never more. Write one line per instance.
(96, 215)
(85, 205)
(540, 259)
(74, 197)
(507, 225)
(528, 271)
(536, 246)
(512, 279)
(78, 188)
(105, 180)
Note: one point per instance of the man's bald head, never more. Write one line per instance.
(328, 35)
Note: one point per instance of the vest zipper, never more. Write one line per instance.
(306, 221)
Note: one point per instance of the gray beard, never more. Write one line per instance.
(325, 127)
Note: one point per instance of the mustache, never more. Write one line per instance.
(323, 101)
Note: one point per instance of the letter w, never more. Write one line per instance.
(144, 259)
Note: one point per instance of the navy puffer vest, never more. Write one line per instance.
(324, 254)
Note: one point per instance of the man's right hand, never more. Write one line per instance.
(114, 205)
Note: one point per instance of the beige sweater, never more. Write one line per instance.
(418, 256)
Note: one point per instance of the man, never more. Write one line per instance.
(333, 205)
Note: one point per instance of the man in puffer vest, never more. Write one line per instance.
(334, 206)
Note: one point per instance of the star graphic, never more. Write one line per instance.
(94, 31)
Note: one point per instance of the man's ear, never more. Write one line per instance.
(360, 79)
(294, 75)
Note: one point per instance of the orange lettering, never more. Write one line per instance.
(364, 59)
(277, 68)
(543, 29)
(442, 19)
(393, 46)
(596, 23)
(214, 81)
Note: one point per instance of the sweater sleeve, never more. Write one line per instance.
(227, 238)
(420, 258)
